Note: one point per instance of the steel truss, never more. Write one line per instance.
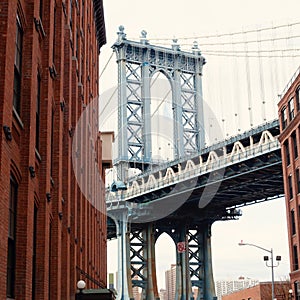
(137, 63)
(137, 258)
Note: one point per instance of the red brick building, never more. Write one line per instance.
(50, 235)
(289, 115)
(262, 291)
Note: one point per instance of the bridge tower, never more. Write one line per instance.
(137, 63)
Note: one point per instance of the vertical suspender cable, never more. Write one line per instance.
(220, 96)
(275, 62)
(261, 77)
(235, 86)
(248, 81)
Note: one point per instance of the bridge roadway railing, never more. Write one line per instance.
(191, 168)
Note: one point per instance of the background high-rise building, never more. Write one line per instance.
(136, 290)
(289, 116)
(162, 294)
(224, 287)
(170, 276)
(51, 235)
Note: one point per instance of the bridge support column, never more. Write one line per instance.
(209, 290)
(142, 254)
(150, 270)
(183, 282)
(124, 287)
(200, 262)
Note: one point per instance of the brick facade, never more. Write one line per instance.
(289, 115)
(262, 291)
(55, 235)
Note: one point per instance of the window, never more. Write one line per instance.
(298, 180)
(71, 12)
(77, 43)
(298, 98)
(290, 187)
(41, 9)
(293, 224)
(291, 109)
(54, 34)
(37, 113)
(34, 258)
(17, 68)
(287, 153)
(52, 144)
(283, 118)
(11, 249)
(294, 140)
(297, 290)
(50, 262)
(295, 258)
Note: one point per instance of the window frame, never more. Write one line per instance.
(38, 112)
(297, 97)
(293, 222)
(291, 107)
(11, 243)
(298, 180)
(290, 186)
(295, 258)
(287, 152)
(295, 146)
(284, 117)
(18, 66)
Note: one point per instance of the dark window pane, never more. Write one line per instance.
(41, 9)
(287, 153)
(11, 248)
(295, 258)
(290, 187)
(18, 67)
(294, 139)
(283, 117)
(298, 179)
(291, 109)
(293, 224)
(37, 117)
(298, 98)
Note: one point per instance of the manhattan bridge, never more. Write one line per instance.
(183, 162)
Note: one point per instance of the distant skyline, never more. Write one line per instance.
(263, 224)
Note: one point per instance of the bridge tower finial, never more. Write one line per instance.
(175, 45)
(121, 33)
(143, 37)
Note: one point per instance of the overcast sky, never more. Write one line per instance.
(263, 224)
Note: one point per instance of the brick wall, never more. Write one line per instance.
(262, 291)
(290, 151)
(59, 45)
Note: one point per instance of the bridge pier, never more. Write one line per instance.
(194, 265)
(124, 283)
(200, 261)
(136, 258)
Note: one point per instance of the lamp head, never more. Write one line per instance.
(241, 243)
(81, 285)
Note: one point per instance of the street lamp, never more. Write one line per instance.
(81, 285)
(290, 294)
(266, 258)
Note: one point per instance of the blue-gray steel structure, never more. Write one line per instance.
(184, 197)
(137, 63)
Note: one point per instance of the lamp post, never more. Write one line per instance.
(266, 258)
(80, 286)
